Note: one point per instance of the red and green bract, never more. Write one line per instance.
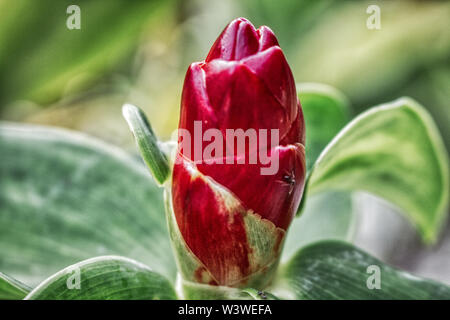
(245, 82)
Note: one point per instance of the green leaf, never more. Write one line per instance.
(328, 215)
(66, 197)
(105, 278)
(395, 152)
(147, 142)
(338, 270)
(326, 111)
(11, 289)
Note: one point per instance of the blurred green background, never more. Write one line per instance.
(138, 52)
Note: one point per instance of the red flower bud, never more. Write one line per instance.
(231, 217)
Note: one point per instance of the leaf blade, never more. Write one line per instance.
(326, 111)
(147, 142)
(12, 289)
(329, 270)
(66, 197)
(106, 277)
(395, 152)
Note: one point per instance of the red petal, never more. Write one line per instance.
(274, 197)
(240, 99)
(211, 224)
(195, 103)
(297, 132)
(272, 68)
(194, 100)
(267, 38)
(238, 40)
